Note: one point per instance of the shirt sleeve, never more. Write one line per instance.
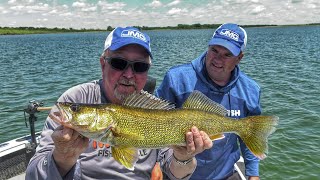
(42, 164)
(165, 158)
(165, 90)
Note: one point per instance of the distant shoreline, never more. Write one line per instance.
(43, 30)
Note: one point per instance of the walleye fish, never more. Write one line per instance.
(145, 121)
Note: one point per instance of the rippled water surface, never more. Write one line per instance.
(283, 60)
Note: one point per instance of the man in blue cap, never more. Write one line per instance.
(64, 154)
(216, 74)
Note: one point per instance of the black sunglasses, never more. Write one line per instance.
(121, 64)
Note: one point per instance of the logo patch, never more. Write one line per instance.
(104, 150)
(234, 113)
(134, 34)
(230, 34)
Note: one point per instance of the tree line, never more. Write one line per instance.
(41, 30)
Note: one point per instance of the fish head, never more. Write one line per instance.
(75, 113)
(93, 121)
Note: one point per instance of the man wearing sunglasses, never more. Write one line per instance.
(64, 154)
(216, 74)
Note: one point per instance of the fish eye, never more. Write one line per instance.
(74, 107)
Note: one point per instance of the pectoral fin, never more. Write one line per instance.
(217, 137)
(127, 156)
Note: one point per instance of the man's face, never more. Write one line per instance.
(220, 62)
(119, 84)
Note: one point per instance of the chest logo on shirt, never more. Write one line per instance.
(234, 113)
(104, 150)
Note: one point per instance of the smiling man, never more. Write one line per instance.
(216, 74)
(65, 154)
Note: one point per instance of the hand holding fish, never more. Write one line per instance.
(196, 142)
(69, 144)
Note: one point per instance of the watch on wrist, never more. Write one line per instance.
(185, 162)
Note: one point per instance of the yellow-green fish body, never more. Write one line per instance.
(152, 123)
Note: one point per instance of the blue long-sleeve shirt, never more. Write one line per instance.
(241, 97)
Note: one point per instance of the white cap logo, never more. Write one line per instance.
(133, 34)
(230, 34)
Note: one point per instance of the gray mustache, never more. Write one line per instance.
(127, 82)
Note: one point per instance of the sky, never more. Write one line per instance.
(94, 14)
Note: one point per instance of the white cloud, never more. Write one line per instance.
(42, 20)
(17, 8)
(241, 1)
(111, 6)
(89, 9)
(12, 23)
(81, 13)
(197, 13)
(3, 11)
(176, 11)
(39, 7)
(173, 3)
(154, 4)
(12, 1)
(79, 4)
(69, 14)
(311, 6)
(54, 11)
(258, 9)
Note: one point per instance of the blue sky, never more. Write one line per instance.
(104, 13)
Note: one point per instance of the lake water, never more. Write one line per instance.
(283, 60)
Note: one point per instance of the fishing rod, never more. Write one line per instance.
(32, 108)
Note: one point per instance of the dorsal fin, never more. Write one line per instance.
(199, 101)
(147, 101)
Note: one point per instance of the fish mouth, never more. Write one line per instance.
(65, 114)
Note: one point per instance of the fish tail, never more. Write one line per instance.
(255, 132)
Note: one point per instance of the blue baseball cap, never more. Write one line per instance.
(231, 36)
(120, 37)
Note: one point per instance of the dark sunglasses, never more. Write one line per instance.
(121, 64)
